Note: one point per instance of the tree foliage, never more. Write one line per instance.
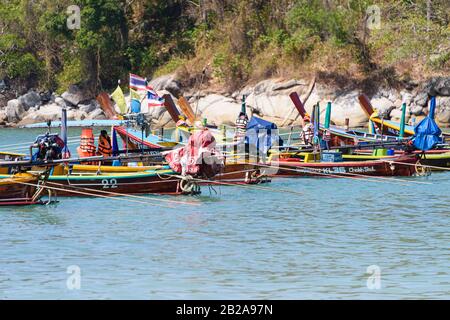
(237, 40)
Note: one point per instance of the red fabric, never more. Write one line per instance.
(199, 154)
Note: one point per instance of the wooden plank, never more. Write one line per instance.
(106, 105)
(298, 104)
(186, 109)
(366, 105)
(171, 107)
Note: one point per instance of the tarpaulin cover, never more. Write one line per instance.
(427, 133)
(198, 156)
(263, 134)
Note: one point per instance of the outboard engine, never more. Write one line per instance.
(49, 147)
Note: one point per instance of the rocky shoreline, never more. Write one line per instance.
(268, 99)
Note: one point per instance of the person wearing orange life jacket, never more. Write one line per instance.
(87, 147)
(104, 144)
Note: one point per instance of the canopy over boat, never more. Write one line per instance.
(427, 133)
(263, 134)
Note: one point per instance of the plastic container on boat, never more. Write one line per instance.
(135, 106)
(380, 152)
(330, 156)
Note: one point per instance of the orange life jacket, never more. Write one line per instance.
(104, 146)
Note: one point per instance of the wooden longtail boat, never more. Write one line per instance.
(436, 160)
(149, 182)
(341, 136)
(20, 189)
(387, 127)
(295, 167)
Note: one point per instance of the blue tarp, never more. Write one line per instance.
(263, 134)
(427, 133)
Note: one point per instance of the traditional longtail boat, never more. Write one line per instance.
(339, 136)
(162, 181)
(20, 189)
(396, 166)
(388, 127)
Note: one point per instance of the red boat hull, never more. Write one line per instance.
(294, 168)
(107, 186)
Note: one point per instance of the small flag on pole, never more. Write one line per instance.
(135, 95)
(153, 99)
(137, 82)
(65, 151)
(119, 99)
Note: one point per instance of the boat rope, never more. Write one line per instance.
(26, 147)
(122, 198)
(126, 195)
(27, 143)
(423, 165)
(247, 186)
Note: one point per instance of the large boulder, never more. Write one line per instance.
(74, 95)
(3, 85)
(443, 117)
(396, 114)
(167, 82)
(219, 109)
(30, 100)
(76, 115)
(439, 86)
(276, 106)
(407, 97)
(417, 110)
(61, 102)
(89, 107)
(14, 110)
(3, 117)
(347, 106)
(97, 114)
(383, 105)
(421, 99)
(48, 112)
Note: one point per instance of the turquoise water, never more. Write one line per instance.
(239, 243)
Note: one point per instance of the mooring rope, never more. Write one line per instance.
(343, 175)
(123, 198)
(248, 186)
(423, 165)
(126, 195)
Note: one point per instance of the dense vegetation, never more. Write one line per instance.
(235, 41)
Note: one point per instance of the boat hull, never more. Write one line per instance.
(18, 190)
(295, 168)
(241, 173)
(109, 184)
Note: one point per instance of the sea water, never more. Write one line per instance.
(332, 239)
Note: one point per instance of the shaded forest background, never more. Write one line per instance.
(226, 43)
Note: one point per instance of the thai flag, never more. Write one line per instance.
(137, 83)
(153, 99)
